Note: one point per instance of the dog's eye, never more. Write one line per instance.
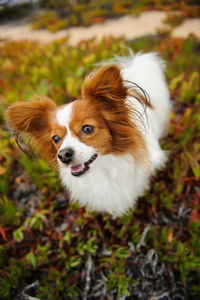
(88, 129)
(56, 139)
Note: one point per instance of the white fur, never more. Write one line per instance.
(113, 183)
(82, 152)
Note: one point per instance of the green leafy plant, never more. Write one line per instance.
(44, 237)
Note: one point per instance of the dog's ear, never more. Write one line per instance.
(105, 86)
(34, 119)
(30, 117)
(108, 92)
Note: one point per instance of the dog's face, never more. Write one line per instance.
(85, 136)
(75, 134)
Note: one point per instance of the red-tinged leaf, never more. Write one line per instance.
(170, 236)
(154, 210)
(2, 171)
(197, 199)
(75, 278)
(3, 233)
(194, 215)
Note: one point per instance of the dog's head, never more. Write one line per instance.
(76, 134)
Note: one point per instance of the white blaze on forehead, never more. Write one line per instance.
(64, 115)
(82, 151)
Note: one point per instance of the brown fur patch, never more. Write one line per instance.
(36, 119)
(106, 92)
(58, 130)
(103, 105)
(86, 114)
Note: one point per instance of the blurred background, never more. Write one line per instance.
(53, 249)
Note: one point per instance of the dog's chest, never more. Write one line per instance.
(111, 185)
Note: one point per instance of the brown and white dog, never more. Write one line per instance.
(106, 143)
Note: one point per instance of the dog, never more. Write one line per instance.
(105, 144)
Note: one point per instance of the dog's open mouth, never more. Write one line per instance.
(82, 168)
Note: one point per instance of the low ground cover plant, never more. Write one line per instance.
(53, 249)
(63, 14)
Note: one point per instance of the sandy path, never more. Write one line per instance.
(128, 27)
(189, 26)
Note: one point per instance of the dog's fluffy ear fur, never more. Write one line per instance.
(33, 119)
(30, 117)
(105, 86)
(107, 91)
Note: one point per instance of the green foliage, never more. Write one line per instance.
(174, 19)
(50, 21)
(54, 240)
(64, 14)
(40, 172)
(12, 276)
(6, 159)
(8, 212)
(30, 257)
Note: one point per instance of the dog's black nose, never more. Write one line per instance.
(66, 155)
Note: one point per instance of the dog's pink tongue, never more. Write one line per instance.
(77, 169)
